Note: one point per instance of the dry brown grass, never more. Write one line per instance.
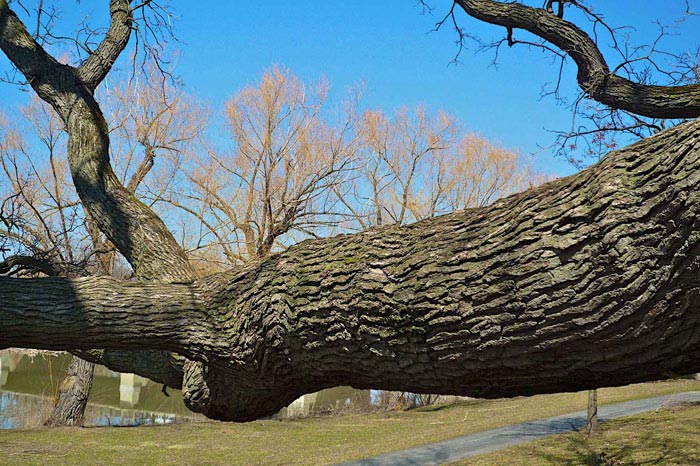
(312, 441)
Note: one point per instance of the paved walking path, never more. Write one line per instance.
(488, 441)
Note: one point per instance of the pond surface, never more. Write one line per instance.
(29, 382)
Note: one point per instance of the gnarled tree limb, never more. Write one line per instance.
(594, 76)
(584, 282)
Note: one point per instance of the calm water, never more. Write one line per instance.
(29, 383)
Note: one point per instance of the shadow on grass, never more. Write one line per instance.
(447, 406)
(665, 437)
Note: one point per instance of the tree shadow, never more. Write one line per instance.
(632, 442)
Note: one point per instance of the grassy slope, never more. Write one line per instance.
(314, 441)
(668, 437)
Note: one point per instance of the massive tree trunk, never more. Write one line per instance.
(490, 302)
(497, 301)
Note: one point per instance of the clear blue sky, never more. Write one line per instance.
(388, 44)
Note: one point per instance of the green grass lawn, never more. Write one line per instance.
(667, 437)
(312, 441)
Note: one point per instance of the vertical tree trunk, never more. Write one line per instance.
(73, 394)
(592, 417)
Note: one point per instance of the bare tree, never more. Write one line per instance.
(416, 165)
(272, 186)
(494, 301)
(396, 154)
(42, 221)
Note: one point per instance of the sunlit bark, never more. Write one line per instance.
(497, 301)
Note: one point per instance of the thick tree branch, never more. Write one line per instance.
(594, 76)
(96, 312)
(585, 282)
(32, 264)
(100, 62)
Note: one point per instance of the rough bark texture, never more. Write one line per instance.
(73, 394)
(131, 226)
(491, 302)
(498, 301)
(72, 399)
(594, 76)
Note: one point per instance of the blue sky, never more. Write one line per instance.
(225, 45)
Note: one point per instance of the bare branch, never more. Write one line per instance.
(594, 76)
(100, 61)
